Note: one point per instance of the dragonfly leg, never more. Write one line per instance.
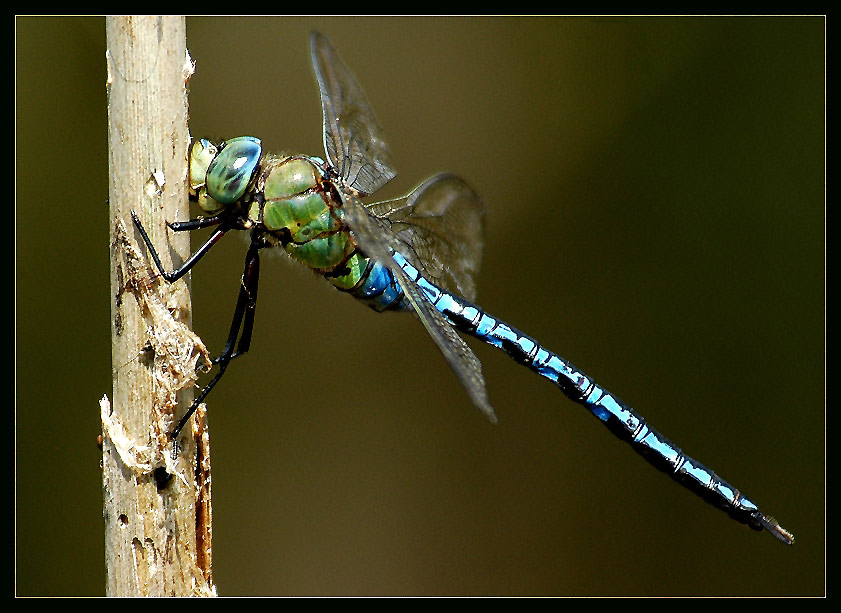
(250, 279)
(191, 261)
(245, 309)
(243, 319)
(194, 224)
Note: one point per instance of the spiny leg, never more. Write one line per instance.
(249, 286)
(195, 224)
(244, 319)
(246, 301)
(191, 261)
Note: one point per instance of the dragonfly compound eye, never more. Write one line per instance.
(230, 172)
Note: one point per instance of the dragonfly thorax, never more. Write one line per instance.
(296, 206)
(290, 201)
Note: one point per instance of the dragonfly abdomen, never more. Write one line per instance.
(379, 289)
(613, 413)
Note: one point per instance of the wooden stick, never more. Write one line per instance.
(156, 542)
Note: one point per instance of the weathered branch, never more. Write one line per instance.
(157, 526)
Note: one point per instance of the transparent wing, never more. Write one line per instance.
(373, 237)
(353, 139)
(440, 229)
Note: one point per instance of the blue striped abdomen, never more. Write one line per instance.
(379, 289)
(613, 413)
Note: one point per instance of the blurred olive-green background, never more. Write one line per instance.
(656, 213)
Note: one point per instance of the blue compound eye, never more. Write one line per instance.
(231, 170)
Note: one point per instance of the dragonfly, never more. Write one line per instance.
(420, 253)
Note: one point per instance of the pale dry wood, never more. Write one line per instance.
(157, 534)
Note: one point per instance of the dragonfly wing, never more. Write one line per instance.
(353, 139)
(370, 235)
(440, 229)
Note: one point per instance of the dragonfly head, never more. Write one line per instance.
(220, 175)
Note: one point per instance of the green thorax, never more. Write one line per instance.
(302, 211)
